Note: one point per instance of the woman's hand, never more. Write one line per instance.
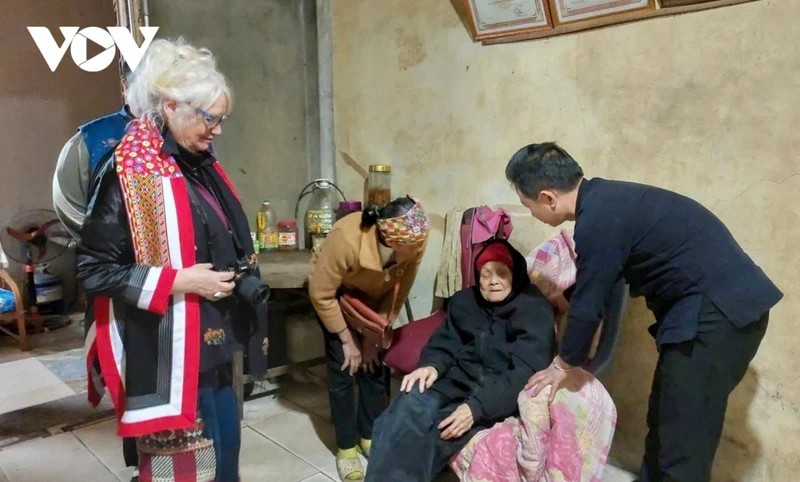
(458, 423)
(556, 375)
(369, 356)
(352, 351)
(425, 375)
(201, 279)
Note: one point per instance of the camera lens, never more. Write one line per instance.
(252, 289)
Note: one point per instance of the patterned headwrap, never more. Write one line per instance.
(410, 228)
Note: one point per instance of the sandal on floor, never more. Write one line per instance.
(350, 469)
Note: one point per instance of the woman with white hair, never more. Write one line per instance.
(162, 233)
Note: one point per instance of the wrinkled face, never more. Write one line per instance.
(495, 281)
(543, 208)
(196, 132)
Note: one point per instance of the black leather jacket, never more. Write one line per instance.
(107, 265)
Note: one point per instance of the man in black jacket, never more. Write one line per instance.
(711, 301)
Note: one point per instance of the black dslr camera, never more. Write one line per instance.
(248, 286)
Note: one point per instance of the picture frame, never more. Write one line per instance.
(573, 11)
(490, 19)
(681, 3)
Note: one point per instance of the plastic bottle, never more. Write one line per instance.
(267, 227)
(321, 213)
(256, 244)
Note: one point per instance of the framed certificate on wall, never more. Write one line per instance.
(681, 3)
(567, 11)
(502, 18)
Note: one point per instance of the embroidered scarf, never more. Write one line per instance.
(157, 203)
(410, 228)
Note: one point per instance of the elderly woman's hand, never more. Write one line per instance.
(555, 375)
(425, 375)
(201, 279)
(458, 423)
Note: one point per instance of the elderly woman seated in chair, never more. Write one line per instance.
(497, 334)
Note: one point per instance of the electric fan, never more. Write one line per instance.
(32, 238)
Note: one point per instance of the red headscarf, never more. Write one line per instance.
(495, 252)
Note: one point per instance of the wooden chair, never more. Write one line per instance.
(18, 315)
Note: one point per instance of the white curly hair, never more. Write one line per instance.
(176, 70)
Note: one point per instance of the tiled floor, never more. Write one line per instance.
(43, 390)
(285, 438)
(28, 382)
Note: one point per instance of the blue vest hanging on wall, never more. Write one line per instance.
(103, 134)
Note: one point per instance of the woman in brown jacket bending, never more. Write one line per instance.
(367, 253)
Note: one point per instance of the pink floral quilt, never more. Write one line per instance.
(567, 441)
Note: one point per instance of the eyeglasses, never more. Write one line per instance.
(211, 121)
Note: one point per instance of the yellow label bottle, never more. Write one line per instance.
(267, 227)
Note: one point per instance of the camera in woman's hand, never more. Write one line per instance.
(248, 286)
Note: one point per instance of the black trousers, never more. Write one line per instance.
(129, 452)
(689, 397)
(407, 445)
(352, 420)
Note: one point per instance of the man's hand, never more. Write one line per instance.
(425, 375)
(458, 423)
(555, 375)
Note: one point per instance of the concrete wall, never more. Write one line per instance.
(42, 109)
(706, 104)
(267, 49)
